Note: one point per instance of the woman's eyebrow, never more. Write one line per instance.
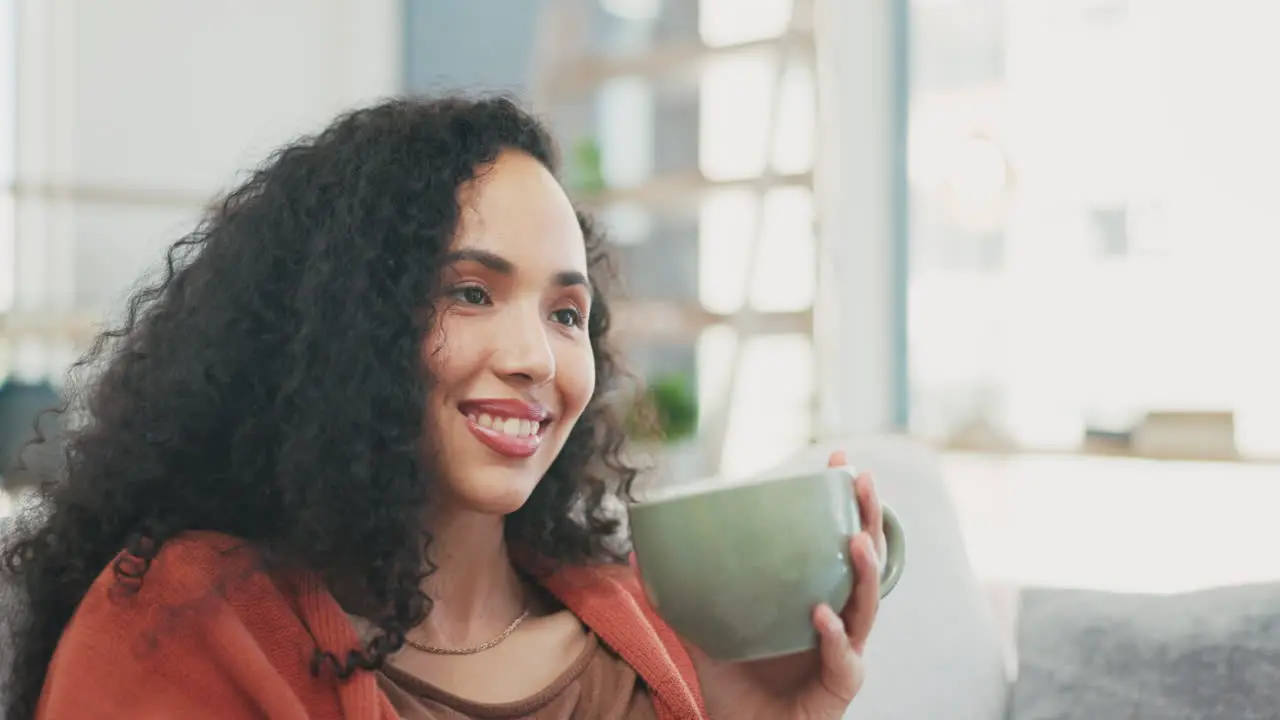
(494, 262)
(501, 265)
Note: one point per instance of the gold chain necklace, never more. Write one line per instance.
(471, 650)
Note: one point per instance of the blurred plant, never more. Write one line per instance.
(586, 172)
(667, 411)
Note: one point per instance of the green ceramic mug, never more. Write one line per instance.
(737, 569)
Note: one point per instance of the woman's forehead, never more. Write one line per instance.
(516, 209)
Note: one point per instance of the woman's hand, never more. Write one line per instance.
(815, 685)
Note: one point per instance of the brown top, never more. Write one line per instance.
(599, 685)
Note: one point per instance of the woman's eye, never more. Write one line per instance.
(568, 316)
(472, 295)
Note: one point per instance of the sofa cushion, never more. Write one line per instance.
(1206, 655)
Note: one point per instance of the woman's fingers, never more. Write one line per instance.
(860, 612)
(843, 636)
(841, 664)
(865, 549)
(870, 509)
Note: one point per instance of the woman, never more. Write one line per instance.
(349, 457)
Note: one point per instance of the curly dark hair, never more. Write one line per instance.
(268, 386)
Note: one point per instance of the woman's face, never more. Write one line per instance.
(510, 359)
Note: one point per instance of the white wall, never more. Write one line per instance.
(133, 113)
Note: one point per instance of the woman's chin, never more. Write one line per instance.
(494, 495)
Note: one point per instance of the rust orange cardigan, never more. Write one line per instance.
(210, 635)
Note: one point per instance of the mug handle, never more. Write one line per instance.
(896, 551)
(894, 540)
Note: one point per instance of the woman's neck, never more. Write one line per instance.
(475, 589)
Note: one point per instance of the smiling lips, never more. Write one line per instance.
(513, 428)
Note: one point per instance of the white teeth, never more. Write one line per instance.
(515, 427)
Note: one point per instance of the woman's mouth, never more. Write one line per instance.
(511, 428)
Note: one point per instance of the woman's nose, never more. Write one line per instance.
(524, 351)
